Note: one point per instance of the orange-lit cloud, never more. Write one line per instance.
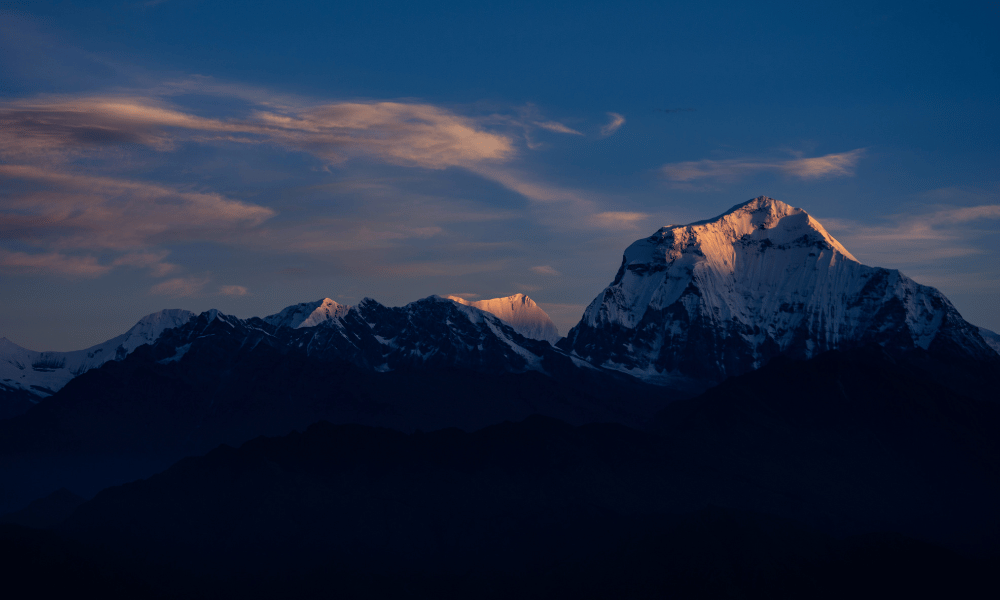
(619, 220)
(180, 287)
(937, 234)
(51, 263)
(147, 260)
(233, 290)
(831, 165)
(399, 133)
(70, 210)
(613, 125)
(545, 270)
(556, 127)
(63, 161)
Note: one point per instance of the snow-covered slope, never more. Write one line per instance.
(44, 373)
(521, 312)
(992, 338)
(432, 332)
(308, 314)
(721, 297)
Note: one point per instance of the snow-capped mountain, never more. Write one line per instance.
(41, 374)
(721, 297)
(308, 314)
(432, 332)
(521, 313)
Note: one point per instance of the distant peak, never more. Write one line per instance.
(758, 216)
(514, 298)
(308, 314)
(520, 312)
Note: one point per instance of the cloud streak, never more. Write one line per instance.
(556, 127)
(937, 235)
(398, 133)
(51, 263)
(545, 270)
(613, 125)
(831, 165)
(233, 290)
(70, 189)
(180, 287)
(71, 210)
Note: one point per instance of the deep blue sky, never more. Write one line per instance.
(247, 156)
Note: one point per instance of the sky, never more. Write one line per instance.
(247, 156)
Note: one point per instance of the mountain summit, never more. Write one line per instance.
(721, 297)
(521, 312)
(308, 314)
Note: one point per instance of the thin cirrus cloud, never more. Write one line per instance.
(619, 219)
(831, 165)
(63, 155)
(147, 260)
(51, 262)
(613, 125)
(407, 134)
(72, 210)
(556, 127)
(184, 287)
(545, 270)
(180, 287)
(233, 290)
(937, 234)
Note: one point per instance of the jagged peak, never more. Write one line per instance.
(758, 218)
(168, 316)
(309, 314)
(760, 204)
(518, 298)
(520, 312)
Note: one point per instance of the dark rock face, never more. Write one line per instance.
(723, 297)
(429, 333)
(219, 379)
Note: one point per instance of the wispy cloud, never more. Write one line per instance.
(233, 290)
(399, 133)
(556, 127)
(917, 239)
(619, 220)
(830, 165)
(180, 287)
(70, 210)
(51, 263)
(613, 125)
(545, 270)
(75, 183)
(147, 260)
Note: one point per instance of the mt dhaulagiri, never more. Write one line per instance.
(27, 376)
(722, 297)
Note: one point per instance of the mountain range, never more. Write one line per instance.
(689, 306)
(746, 411)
